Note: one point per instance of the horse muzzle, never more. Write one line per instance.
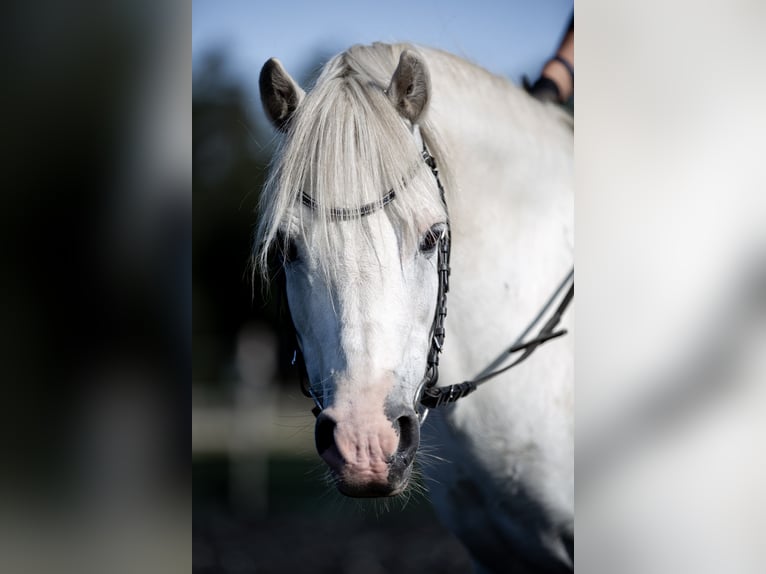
(368, 456)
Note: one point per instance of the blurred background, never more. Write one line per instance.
(95, 305)
(261, 502)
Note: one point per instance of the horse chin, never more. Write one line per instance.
(393, 487)
(370, 491)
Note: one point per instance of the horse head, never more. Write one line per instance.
(356, 217)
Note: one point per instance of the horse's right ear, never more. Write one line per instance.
(280, 94)
(410, 86)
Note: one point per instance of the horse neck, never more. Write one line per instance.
(505, 151)
(491, 121)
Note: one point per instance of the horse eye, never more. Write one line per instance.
(288, 251)
(430, 239)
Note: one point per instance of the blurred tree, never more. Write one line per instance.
(230, 159)
(231, 149)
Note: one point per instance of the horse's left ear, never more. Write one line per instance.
(280, 94)
(410, 87)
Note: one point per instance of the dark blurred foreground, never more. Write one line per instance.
(228, 544)
(301, 526)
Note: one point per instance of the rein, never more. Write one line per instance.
(429, 396)
(436, 397)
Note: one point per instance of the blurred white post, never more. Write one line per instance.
(254, 414)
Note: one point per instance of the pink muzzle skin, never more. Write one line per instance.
(369, 456)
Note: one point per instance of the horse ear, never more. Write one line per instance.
(280, 94)
(410, 87)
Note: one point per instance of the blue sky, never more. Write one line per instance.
(511, 37)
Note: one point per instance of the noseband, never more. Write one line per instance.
(429, 396)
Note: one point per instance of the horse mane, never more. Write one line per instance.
(345, 147)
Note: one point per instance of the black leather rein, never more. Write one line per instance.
(433, 397)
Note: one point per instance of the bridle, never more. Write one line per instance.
(428, 395)
(438, 331)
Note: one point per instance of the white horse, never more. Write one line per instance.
(357, 216)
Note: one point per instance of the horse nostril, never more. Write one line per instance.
(409, 437)
(405, 431)
(324, 433)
